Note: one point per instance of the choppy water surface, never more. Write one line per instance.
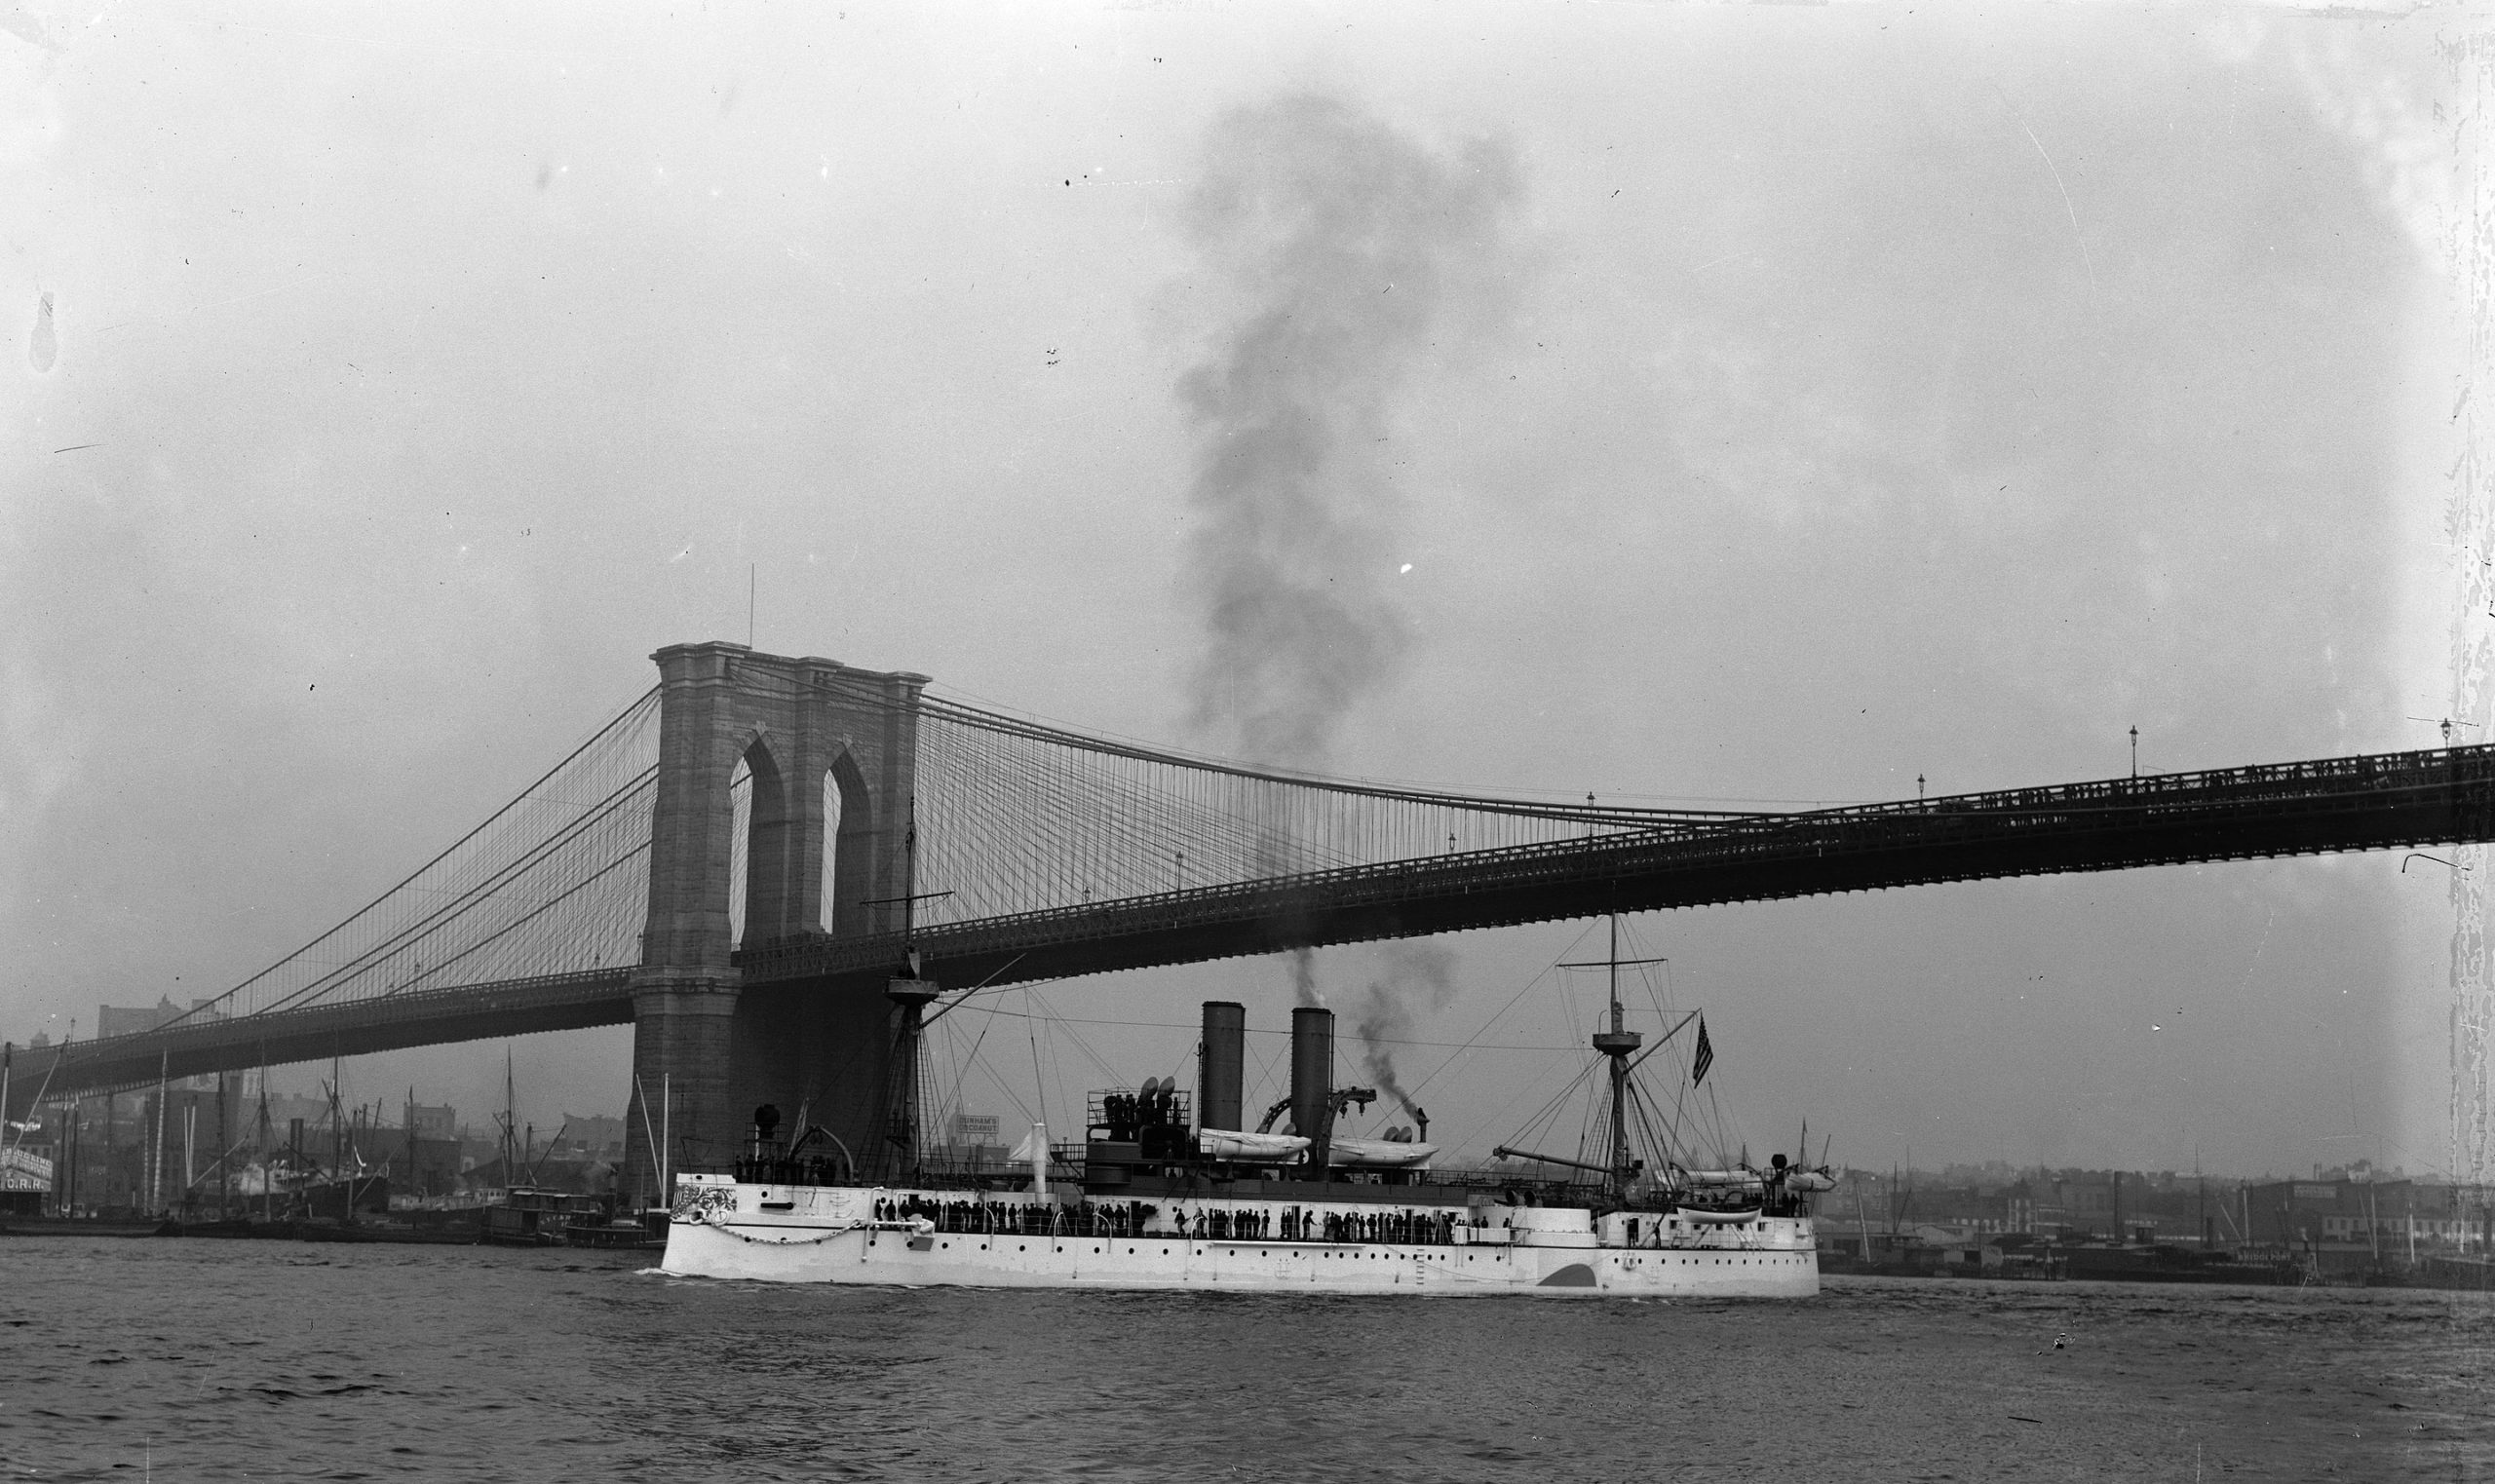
(180, 1360)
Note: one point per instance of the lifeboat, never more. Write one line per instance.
(1717, 1178)
(1378, 1154)
(1262, 1148)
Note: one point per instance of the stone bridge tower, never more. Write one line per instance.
(819, 738)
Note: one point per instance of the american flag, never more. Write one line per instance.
(1705, 1058)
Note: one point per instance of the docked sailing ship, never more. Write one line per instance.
(1156, 1198)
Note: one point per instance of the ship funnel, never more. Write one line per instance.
(1312, 1079)
(1221, 1077)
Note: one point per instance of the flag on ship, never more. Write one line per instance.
(1705, 1058)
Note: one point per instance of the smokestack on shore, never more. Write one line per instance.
(1221, 1077)
(1312, 1080)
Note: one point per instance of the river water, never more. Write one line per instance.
(143, 1359)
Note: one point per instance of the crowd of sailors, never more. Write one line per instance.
(1135, 1218)
(1157, 1105)
(1155, 1118)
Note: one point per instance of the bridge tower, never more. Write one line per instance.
(707, 1049)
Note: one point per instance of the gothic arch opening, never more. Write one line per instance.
(775, 837)
(848, 818)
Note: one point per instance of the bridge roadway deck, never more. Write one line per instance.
(2386, 801)
(561, 1002)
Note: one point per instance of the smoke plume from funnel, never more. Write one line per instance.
(1303, 976)
(1348, 246)
(1417, 975)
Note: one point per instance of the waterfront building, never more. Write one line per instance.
(25, 1180)
(2378, 1218)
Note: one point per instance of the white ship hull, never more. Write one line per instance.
(834, 1234)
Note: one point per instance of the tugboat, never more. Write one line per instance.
(1153, 1198)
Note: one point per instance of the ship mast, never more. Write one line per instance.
(1618, 1042)
(511, 1119)
(909, 996)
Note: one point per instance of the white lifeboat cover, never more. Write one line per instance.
(1231, 1143)
(1718, 1218)
(1378, 1152)
(1719, 1177)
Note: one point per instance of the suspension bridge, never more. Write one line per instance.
(742, 862)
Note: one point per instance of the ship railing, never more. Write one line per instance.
(980, 1196)
(1132, 1219)
(963, 1172)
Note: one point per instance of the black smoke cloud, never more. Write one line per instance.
(1348, 248)
(1385, 1012)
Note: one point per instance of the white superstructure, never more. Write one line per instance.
(839, 1233)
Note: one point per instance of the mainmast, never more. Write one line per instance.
(909, 996)
(1618, 1042)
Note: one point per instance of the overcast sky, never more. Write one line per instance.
(1809, 400)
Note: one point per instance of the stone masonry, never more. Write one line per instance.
(705, 1049)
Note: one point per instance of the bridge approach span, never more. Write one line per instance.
(562, 1001)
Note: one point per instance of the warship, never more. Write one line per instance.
(1153, 1196)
